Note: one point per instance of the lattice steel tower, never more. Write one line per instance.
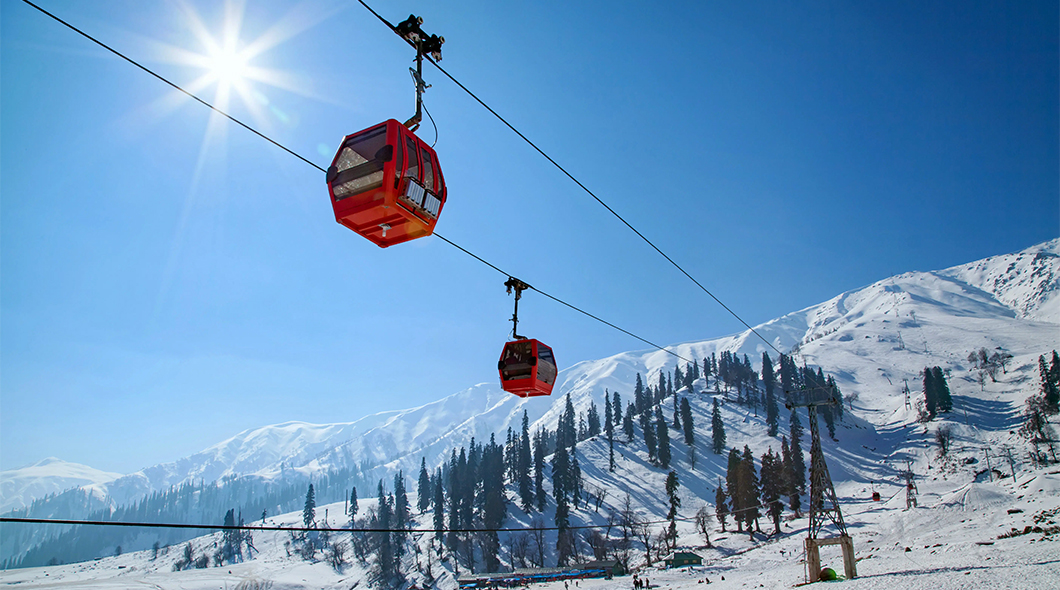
(824, 505)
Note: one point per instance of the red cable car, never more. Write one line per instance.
(527, 368)
(386, 185)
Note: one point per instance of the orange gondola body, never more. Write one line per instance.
(386, 185)
(527, 368)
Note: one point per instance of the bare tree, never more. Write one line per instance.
(597, 542)
(643, 533)
(336, 555)
(520, 546)
(622, 546)
(597, 494)
(944, 438)
(538, 538)
(703, 518)
(661, 544)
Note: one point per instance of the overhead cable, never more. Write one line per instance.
(300, 157)
(577, 182)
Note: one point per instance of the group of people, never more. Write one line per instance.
(639, 583)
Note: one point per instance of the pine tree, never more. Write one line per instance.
(931, 396)
(609, 429)
(564, 538)
(353, 503)
(679, 377)
(401, 501)
(230, 543)
(424, 489)
(526, 491)
(1054, 375)
(717, 428)
(721, 508)
(566, 430)
(662, 434)
(510, 453)
(677, 415)
(829, 419)
(385, 548)
(401, 512)
(493, 504)
(797, 483)
(609, 414)
(787, 470)
(672, 485)
(648, 429)
(639, 403)
(439, 505)
(539, 471)
(686, 422)
(732, 488)
(750, 489)
(1050, 387)
(942, 390)
(837, 395)
(616, 409)
(769, 384)
(561, 487)
(772, 474)
(309, 514)
(611, 454)
(575, 478)
(627, 423)
(593, 419)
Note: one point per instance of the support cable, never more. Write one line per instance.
(297, 529)
(578, 182)
(295, 154)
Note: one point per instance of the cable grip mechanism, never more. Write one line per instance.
(425, 44)
(514, 284)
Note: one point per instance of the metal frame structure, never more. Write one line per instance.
(822, 492)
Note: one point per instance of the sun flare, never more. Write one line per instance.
(228, 67)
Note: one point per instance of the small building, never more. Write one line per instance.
(612, 568)
(681, 559)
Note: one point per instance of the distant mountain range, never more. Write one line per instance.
(19, 487)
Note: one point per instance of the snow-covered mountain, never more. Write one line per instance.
(19, 487)
(873, 340)
(870, 339)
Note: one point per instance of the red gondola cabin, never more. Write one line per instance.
(527, 368)
(386, 185)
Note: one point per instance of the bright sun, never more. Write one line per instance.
(228, 66)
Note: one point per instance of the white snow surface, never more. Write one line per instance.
(950, 542)
(19, 487)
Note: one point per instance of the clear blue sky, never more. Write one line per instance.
(168, 279)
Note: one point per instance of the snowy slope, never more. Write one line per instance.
(962, 535)
(18, 487)
(871, 339)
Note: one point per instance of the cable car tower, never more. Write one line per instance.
(824, 505)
